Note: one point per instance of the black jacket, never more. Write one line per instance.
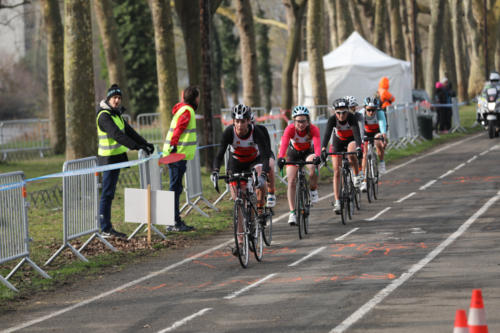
(129, 137)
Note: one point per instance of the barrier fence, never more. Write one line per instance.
(24, 136)
(80, 207)
(14, 237)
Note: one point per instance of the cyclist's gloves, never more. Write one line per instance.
(359, 152)
(281, 162)
(173, 149)
(324, 155)
(317, 160)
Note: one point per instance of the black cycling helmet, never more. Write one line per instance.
(372, 102)
(241, 111)
(340, 103)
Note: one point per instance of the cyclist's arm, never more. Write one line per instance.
(285, 139)
(265, 153)
(316, 140)
(382, 121)
(328, 134)
(227, 139)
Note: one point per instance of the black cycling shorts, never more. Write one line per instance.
(236, 166)
(295, 155)
(340, 145)
(371, 134)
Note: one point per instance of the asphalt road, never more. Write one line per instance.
(405, 263)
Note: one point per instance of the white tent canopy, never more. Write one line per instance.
(355, 68)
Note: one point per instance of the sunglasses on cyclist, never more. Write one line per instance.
(370, 110)
(301, 121)
(340, 112)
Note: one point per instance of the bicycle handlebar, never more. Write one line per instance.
(371, 139)
(298, 162)
(343, 153)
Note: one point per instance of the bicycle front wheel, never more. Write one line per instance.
(299, 207)
(307, 208)
(240, 234)
(348, 191)
(375, 178)
(343, 203)
(268, 228)
(369, 180)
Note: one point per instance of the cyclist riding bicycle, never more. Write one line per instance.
(346, 138)
(271, 197)
(301, 141)
(248, 150)
(375, 125)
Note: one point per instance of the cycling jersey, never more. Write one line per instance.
(344, 131)
(377, 123)
(245, 150)
(300, 141)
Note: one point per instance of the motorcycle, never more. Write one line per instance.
(489, 111)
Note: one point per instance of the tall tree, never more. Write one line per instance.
(497, 48)
(55, 73)
(248, 50)
(79, 80)
(406, 29)
(111, 46)
(369, 15)
(188, 12)
(295, 11)
(344, 20)
(332, 21)
(456, 12)
(264, 61)
(380, 32)
(356, 18)
(205, 19)
(397, 41)
(230, 56)
(447, 55)
(475, 26)
(315, 53)
(166, 68)
(434, 45)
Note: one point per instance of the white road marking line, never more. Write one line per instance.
(326, 196)
(483, 153)
(459, 166)
(472, 159)
(380, 213)
(255, 284)
(185, 320)
(308, 256)
(406, 197)
(381, 295)
(427, 185)
(345, 235)
(447, 173)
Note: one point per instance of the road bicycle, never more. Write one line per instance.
(372, 174)
(248, 232)
(347, 191)
(302, 197)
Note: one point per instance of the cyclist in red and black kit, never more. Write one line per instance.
(248, 150)
(346, 137)
(301, 142)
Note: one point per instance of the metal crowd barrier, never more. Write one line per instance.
(80, 207)
(23, 136)
(456, 124)
(14, 237)
(149, 173)
(403, 125)
(319, 112)
(149, 126)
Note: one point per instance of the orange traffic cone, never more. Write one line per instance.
(477, 316)
(461, 322)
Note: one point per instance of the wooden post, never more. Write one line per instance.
(148, 209)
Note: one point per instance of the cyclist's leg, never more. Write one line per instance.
(313, 176)
(353, 160)
(261, 190)
(291, 176)
(380, 147)
(271, 184)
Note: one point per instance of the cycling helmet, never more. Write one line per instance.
(300, 110)
(352, 101)
(494, 77)
(252, 117)
(372, 102)
(241, 111)
(340, 103)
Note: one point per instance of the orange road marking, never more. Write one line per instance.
(203, 264)
(157, 287)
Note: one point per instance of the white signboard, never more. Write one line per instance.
(162, 206)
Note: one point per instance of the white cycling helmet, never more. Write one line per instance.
(241, 111)
(494, 77)
(300, 110)
(352, 101)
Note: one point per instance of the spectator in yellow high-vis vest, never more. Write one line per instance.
(116, 137)
(181, 138)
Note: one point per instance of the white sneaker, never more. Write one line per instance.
(357, 180)
(381, 167)
(292, 219)
(314, 196)
(271, 200)
(336, 206)
(363, 187)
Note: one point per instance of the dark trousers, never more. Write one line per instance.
(176, 172)
(109, 181)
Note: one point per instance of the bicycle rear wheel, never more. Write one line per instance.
(357, 198)
(258, 242)
(241, 236)
(267, 232)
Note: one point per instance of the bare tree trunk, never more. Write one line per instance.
(397, 41)
(166, 67)
(475, 14)
(55, 74)
(111, 46)
(457, 24)
(344, 20)
(358, 24)
(250, 76)
(448, 56)
(406, 29)
(81, 133)
(295, 11)
(315, 53)
(188, 12)
(206, 78)
(369, 17)
(434, 48)
(332, 21)
(379, 37)
(497, 48)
